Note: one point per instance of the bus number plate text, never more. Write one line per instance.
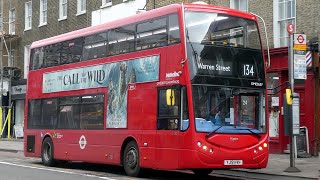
(232, 162)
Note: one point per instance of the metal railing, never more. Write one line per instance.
(7, 121)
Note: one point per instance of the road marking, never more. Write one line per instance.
(55, 170)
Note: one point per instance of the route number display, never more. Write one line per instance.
(248, 70)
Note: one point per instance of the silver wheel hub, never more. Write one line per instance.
(132, 158)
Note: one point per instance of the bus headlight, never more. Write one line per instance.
(211, 150)
(265, 145)
(260, 148)
(205, 147)
(199, 144)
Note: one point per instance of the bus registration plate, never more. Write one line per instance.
(232, 162)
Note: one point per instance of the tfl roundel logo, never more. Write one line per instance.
(82, 142)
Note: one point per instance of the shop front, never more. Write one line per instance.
(18, 99)
(277, 76)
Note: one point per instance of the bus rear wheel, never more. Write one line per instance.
(202, 172)
(47, 152)
(131, 159)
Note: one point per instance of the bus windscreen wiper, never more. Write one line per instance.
(210, 133)
(256, 134)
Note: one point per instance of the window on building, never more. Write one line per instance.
(43, 12)
(106, 3)
(273, 102)
(241, 5)
(26, 60)
(28, 15)
(81, 6)
(63, 5)
(12, 21)
(11, 57)
(284, 14)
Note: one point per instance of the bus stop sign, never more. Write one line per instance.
(290, 28)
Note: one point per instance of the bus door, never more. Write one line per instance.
(169, 124)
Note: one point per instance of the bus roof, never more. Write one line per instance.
(136, 18)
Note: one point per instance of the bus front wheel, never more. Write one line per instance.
(47, 152)
(131, 159)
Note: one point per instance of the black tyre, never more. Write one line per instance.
(131, 159)
(47, 152)
(202, 172)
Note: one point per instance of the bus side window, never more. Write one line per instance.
(95, 46)
(52, 55)
(152, 33)
(168, 116)
(49, 113)
(34, 114)
(174, 31)
(36, 60)
(121, 40)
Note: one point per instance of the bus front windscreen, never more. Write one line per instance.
(229, 110)
(223, 50)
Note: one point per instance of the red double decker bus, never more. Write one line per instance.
(179, 87)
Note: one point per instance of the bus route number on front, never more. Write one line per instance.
(248, 70)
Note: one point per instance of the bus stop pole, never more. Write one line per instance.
(1, 63)
(292, 167)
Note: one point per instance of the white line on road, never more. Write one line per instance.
(55, 170)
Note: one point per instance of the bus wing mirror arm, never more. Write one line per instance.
(267, 41)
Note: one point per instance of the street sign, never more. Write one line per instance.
(290, 28)
(299, 56)
(300, 42)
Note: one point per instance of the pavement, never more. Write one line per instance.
(310, 167)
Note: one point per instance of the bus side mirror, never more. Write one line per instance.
(289, 96)
(170, 97)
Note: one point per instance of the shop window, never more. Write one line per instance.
(273, 102)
